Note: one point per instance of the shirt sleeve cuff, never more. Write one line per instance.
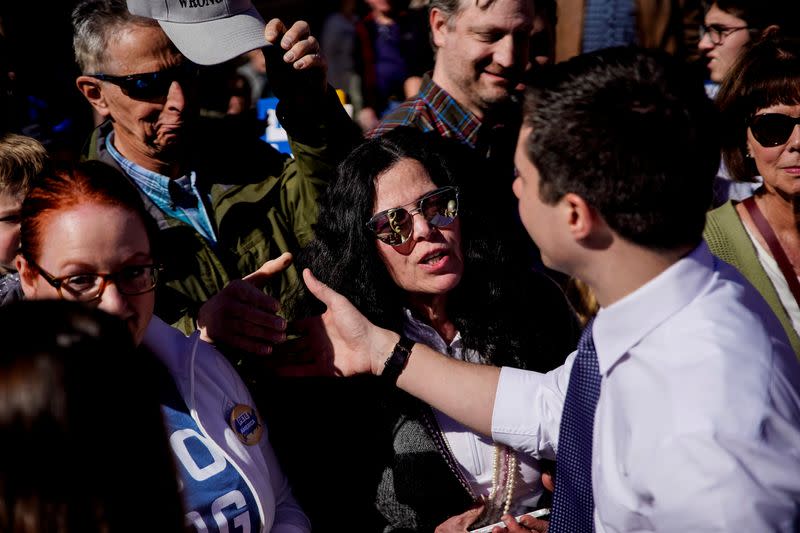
(527, 409)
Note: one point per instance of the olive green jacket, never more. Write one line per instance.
(728, 240)
(262, 203)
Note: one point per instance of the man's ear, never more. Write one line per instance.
(438, 21)
(582, 218)
(93, 92)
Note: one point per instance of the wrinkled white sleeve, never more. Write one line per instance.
(527, 409)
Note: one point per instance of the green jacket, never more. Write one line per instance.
(262, 203)
(728, 240)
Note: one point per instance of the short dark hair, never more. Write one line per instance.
(766, 74)
(632, 132)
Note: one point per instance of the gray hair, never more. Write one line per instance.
(452, 8)
(94, 24)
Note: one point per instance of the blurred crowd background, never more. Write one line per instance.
(37, 69)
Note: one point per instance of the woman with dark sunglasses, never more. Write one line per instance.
(86, 237)
(760, 105)
(417, 252)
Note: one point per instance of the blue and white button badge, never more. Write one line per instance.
(245, 423)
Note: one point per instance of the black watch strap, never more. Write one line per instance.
(396, 362)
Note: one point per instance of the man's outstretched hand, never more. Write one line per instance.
(339, 342)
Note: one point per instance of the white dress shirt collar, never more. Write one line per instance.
(623, 324)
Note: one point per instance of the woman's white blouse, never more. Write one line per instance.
(475, 453)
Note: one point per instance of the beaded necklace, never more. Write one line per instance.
(504, 474)
(504, 464)
(504, 478)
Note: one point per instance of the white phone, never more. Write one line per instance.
(539, 513)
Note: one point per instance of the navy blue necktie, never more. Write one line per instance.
(573, 503)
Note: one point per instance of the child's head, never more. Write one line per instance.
(21, 159)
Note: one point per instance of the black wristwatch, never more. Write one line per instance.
(396, 362)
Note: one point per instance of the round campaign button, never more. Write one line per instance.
(245, 423)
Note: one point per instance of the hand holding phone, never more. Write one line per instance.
(539, 513)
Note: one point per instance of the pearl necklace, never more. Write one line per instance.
(504, 478)
(498, 502)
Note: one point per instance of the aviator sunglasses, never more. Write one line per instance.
(773, 129)
(396, 225)
(150, 85)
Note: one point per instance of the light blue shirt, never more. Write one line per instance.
(178, 198)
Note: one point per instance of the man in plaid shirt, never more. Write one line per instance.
(482, 52)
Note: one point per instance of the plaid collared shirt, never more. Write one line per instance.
(433, 110)
(177, 198)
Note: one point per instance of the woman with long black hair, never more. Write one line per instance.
(417, 251)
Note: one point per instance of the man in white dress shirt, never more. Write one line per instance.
(697, 425)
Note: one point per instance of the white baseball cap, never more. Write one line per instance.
(206, 31)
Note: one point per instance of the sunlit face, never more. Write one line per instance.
(430, 262)
(482, 53)
(9, 228)
(721, 57)
(779, 165)
(539, 218)
(92, 238)
(146, 130)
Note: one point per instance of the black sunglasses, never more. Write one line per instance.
(396, 225)
(773, 129)
(151, 85)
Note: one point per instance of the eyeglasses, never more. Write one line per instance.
(151, 85)
(773, 129)
(396, 225)
(717, 32)
(130, 280)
